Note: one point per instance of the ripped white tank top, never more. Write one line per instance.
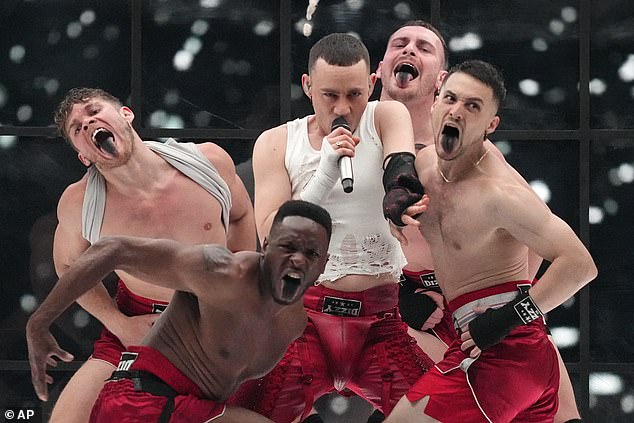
(361, 242)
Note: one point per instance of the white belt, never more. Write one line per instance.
(463, 315)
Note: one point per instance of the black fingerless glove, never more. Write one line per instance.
(415, 307)
(493, 325)
(402, 187)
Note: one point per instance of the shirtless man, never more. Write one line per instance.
(483, 216)
(354, 338)
(186, 192)
(231, 318)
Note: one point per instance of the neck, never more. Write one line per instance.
(448, 176)
(420, 110)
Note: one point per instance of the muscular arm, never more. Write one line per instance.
(241, 233)
(394, 126)
(164, 262)
(272, 184)
(520, 212)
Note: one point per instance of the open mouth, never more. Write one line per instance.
(291, 283)
(404, 73)
(104, 140)
(449, 138)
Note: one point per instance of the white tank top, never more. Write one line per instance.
(361, 241)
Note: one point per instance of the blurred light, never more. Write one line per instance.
(220, 47)
(569, 302)
(202, 119)
(162, 16)
(81, 319)
(569, 14)
(158, 118)
(402, 10)
(91, 52)
(541, 189)
(613, 177)
(626, 173)
(469, 41)
(307, 29)
(24, 113)
(355, 4)
(339, 405)
(626, 71)
(73, 30)
(111, 33)
(209, 4)
(87, 17)
(51, 86)
(193, 45)
(8, 141)
(603, 383)
(263, 28)
(565, 337)
(4, 96)
(597, 86)
(199, 27)
(182, 60)
(53, 37)
(44, 270)
(171, 98)
(174, 122)
(17, 53)
(504, 147)
(611, 206)
(555, 95)
(556, 26)
(28, 303)
(539, 44)
(627, 404)
(529, 87)
(595, 215)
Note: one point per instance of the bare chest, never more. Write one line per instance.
(180, 210)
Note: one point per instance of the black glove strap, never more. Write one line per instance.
(493, 325)
(415, 307)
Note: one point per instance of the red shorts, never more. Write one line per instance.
(444, 329)
(515, 380)
(108, 347)
(119, 401)
(353, 341)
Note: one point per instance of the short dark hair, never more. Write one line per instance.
(427, 25)
(77, 96)
(339, 49)
(484, 72)
(304, 209)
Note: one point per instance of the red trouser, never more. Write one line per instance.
(515, 380)
(108, 347)
(365, 349)
(121, 401)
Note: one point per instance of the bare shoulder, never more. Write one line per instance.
(70, 203)
(272, 140)
(389, 107)
(217, 156)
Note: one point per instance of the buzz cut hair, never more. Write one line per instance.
(304, 209)
(339, 49)
(432, 28)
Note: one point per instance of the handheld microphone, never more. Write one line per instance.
(345, 162)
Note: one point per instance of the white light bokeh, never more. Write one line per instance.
(339, 405)
(111, 32)
(603, 383)
(627, 403)
(625, 173)
(17, 53)
(296, 91)
(28, 303)
(611, 206)
(595, 215)
(564, 336)
(183, 60)
(263, 28)
(193, 45)
(24, 113)
(355, 4)
(542, 190)
(210, 4)
(87, 17)
(51, 86)
(529, 87)
(199, 27)
(597, 86)
(613, 177)
(402, 10)
(73, 30)
(569, 14)
(81, 319)
(504, 147)
(469, 41)
(556, 26)
(171, 97)
(626, 70)
(8, 141)
(555, 95)
(539, 44)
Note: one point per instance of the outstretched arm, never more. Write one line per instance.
(166, 263)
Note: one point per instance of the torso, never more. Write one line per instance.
(458, 228)
(217, 340)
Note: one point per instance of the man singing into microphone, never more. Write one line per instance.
(355, 338)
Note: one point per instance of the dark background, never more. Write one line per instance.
(226, 70)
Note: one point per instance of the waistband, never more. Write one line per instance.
(147, 359)
(352, 303)
(132, 304)
(491, 297)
